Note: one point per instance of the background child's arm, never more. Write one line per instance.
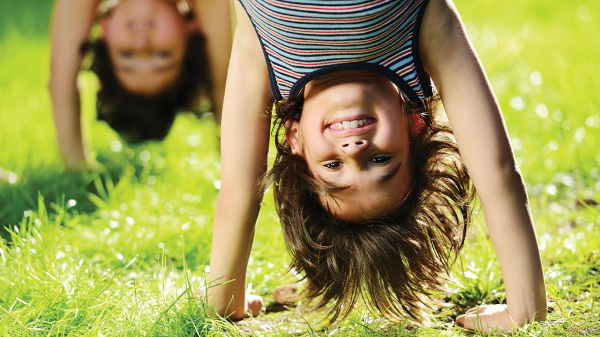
(71, 24)
(484, 145)
(244, 145)
(214, 17)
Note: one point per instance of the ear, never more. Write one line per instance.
(105, 23)
(291, 135)
(192, 26)
(418, 124)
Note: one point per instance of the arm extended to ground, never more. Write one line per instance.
(244, 146)
(71, 24)
(484, 145)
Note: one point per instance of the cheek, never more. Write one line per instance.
(394, 141)
(313, 142)
(114, 32)
(316, 151)
(170, 32)
(118, 40)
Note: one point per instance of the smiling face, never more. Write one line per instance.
(354, 135)
(146, 41)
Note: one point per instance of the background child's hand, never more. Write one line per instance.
(254, 304)
(89, 165)
(487, 319)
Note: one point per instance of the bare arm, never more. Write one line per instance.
(71, 24)
(244, 146)
(484, 145)
(214, 17)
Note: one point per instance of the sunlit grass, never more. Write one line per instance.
(120, 250)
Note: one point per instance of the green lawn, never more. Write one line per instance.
(119, 250)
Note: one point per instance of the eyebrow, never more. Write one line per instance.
(387, 176)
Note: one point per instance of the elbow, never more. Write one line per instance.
(241, 194)
(230, 198)
(52, 79)
(53, 84)
(508, 168)
(500, 178)
(503, 168)
(50, 86)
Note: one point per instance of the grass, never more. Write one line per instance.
(120, 250)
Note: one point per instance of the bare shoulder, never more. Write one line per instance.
(74, 6)
(440, 29)
(245, 34)
(73, 18)
(72, 21)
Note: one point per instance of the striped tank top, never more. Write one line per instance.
(305, 39)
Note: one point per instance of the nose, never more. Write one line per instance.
(353, 147)
(140, 30)
(141, 40)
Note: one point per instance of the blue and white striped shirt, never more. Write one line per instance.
(305, 39)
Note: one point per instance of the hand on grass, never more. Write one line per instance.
(75, 165)
(83, 165)
(487, 319)
(253, 307)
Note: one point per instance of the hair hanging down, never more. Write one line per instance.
(392, 262)
(139, 118)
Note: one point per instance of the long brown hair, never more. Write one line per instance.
(393, 262)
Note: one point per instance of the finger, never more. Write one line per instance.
(461, 319)
(475, 310)
(475, 322)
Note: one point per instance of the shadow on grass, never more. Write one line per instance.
(58, 187)
(31, 17)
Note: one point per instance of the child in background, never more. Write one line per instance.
(372, 193)
(152, 59)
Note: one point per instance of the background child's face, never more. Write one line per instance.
(354, 134)
(146, 41)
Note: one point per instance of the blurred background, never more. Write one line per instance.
(153, 202)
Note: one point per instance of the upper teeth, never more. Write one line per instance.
(346, 125)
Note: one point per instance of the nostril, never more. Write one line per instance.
(359, 143)
(345, 145)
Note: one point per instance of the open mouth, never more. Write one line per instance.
(141, 24)
(351, 124)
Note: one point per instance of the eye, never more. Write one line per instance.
(380, 159)
(163, 54)
(333, 165)
(126, 53)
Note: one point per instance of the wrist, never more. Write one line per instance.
(72, 164)
(523, 313)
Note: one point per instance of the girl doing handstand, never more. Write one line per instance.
(372, 193)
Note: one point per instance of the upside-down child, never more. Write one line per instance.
(152, 59)
(373, 195)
